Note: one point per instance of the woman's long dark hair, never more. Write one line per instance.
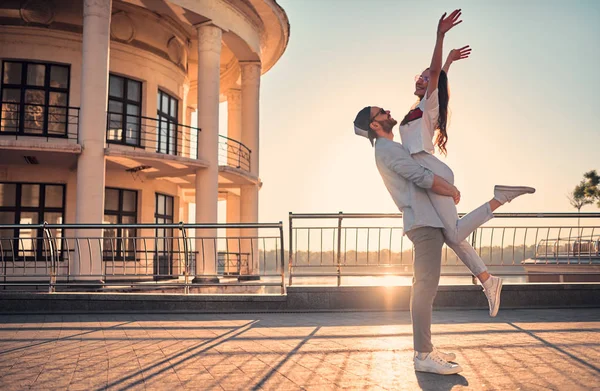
(443, 98)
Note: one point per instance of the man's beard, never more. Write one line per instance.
(388, 124)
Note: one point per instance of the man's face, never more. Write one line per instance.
(381, 119)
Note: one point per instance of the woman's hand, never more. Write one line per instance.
(446, 23)
(459, 54)
(455, 55)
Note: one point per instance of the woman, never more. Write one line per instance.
(428, 118)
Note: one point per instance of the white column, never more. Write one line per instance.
(207, 179)
(92, 134)
(250, 138)
(234, 126)
(233, 234)
(234, 132)
(185, 119)
(250, 110)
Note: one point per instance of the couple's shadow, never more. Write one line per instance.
(432, 382)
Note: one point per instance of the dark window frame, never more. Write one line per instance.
(23, 87)
(125, 101)
(41, 209)
(166, 235)
(165, 116)
(166, 199)
(120, 213)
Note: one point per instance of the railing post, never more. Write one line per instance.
(48, 237)
(78, 112)
(290, 261)
(282, 260)
(339, 250)
(249, 159)
(186, 271)
(473, 243)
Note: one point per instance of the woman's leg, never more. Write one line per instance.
(467, 254)
(455, 230)
(492, 286)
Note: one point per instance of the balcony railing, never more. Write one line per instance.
(163, 136)
(34, 120)
(152, 134)
(233, 153)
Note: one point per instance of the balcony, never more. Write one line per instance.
(152, 134)
(29, 122)
(234, 154)
(166, 137)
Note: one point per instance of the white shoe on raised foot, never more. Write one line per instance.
(506, 194)
(433, 363)
(492, 290)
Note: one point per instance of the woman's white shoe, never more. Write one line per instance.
(492, 292)
(505, 194)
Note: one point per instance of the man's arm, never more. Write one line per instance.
(442, 187)
(400, 161)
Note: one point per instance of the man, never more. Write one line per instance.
(406, 180)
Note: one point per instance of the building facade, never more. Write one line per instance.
(96, 114)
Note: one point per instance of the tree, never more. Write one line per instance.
(591, 183)
(585, 193)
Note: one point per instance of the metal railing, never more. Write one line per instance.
(152, 134)
(568, 250)
(324, 245)
(233, 153)
(35, 120)
(189, 257)
(118, 256)
(171, 138)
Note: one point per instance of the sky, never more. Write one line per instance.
(524, 107)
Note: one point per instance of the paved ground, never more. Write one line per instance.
(519, 350)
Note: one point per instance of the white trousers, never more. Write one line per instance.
(456, 230)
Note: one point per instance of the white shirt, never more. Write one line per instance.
(417, 135)
(406, 181)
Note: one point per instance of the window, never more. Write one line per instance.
(120, 207)
(30, 203)
(163, 214)
(167, 124)
(124, 111)
(35, 98)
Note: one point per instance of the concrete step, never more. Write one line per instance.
(300, 298)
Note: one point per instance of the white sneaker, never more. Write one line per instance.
(506, 194)
(446, 356)
(433, 363)
(492, 292)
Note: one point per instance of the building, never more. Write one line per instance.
(96, 114)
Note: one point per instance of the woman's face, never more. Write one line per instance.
(421, 83)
